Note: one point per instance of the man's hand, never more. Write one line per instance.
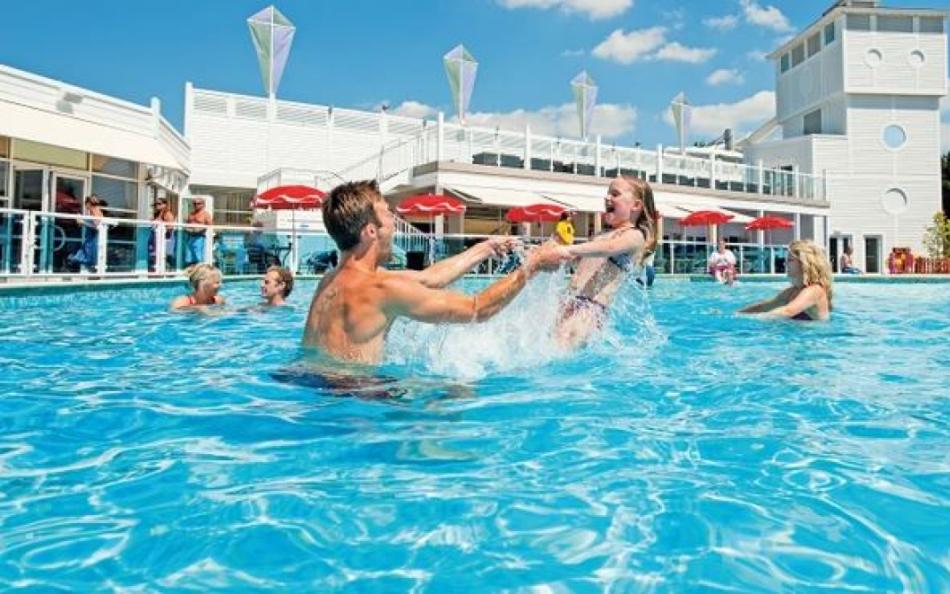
(502, 246)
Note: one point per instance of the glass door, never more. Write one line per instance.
(72, 244)
(872, 254)
(28, 187)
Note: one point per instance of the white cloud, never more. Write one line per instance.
(648, 44)
(414, 109)
(769, 17)
(610, 120)
(676, 52)
(724, 23)
(742, 116)
(627, 48)
(725, 76)
(757, 55)
(594, 9)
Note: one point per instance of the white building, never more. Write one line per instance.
(858, 96)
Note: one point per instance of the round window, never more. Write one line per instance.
(894, 201)
(894, 137)
(874, 58)
(916, 58)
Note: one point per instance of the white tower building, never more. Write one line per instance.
(858, 100)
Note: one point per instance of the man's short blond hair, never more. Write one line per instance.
(348, 209)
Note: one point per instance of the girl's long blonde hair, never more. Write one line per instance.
(647, 220)
(816, 269)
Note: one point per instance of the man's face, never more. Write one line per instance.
(199, 205)
(271, 285)
(620, 203)
(385, 231)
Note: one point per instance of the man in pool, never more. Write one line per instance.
(608, 259)
(356, 303)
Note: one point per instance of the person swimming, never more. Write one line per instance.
(809, 297)
(276, 286)
(608, 259)
(205, 281)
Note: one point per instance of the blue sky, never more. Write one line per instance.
(360, 53)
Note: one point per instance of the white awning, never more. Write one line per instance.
(74, 133)
(669, 211)
(504, 198)
(579, 203)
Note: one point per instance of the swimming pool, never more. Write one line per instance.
(693, 451)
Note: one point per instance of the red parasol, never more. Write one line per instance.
(290, 198)
(705, 217)
(769, 222)
(430, 205)
(535, 213)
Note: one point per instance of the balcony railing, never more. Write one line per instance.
(38, 245)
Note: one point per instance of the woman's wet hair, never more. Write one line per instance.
(816, 269)
(199, 273)
(647, 220)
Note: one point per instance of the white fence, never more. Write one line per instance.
(38, 245)
(364, 145)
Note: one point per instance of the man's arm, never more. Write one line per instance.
(409, 298)
(446, 272)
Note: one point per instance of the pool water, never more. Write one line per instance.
(688, 450)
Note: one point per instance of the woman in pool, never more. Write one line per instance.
(276, 286)
(608, 259)
(205, 281)
(809, 297)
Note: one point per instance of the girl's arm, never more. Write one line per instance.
(604, 247)
(806, 298)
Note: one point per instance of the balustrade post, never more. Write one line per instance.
(761, 166)
(527, 146)
(161, 251)
(440, 137)
(102, 244)
(209, 246)
(597, 146)
(659, 163)
(27, 243)
(712, 171)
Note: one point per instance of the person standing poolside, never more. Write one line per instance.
(722, 264)
(276, 286)
(564, 230)
(205, 281)
(847, 261)
(809, 297)
(88, 253)
(356, 303)
(196, 235)
(607, 259)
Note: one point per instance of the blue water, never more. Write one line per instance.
(690, 450)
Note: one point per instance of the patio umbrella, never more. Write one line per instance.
(702, 218)
(290, 198)
(535, 213)
(769, 222)
(430, 205)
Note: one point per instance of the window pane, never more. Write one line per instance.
(813, 123)
(894, 137)
(4, 181)
(895, 24)
(798, 55)
(859, 22)
(931, 25)
(121, 196)
(785, 63)
(113, 166)
(829, 34)
(814, 44)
